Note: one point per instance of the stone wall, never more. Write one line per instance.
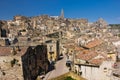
(53, 50)
(34, 62)
(10, 68)
(2, 42)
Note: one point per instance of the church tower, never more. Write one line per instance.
(62, 14)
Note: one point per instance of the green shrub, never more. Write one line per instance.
(69, 78)
(13, 62)
(118, 35)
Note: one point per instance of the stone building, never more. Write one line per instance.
(2, 42)
(90, 64)
(10, 63)
(3, 29)
(53, 50)
(101, 23)
(34, 62)
(19, 18)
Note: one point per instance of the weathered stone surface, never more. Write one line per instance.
(8, 72)
(34, 62)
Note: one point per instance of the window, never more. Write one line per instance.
(105, 69)
(51, 48)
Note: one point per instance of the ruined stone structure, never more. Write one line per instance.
(34, 62)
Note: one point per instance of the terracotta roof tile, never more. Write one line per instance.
(97, 61)
(86, 55)
(4, 51)
(79, 48)
(93, 43)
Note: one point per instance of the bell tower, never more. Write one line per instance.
(62, 14)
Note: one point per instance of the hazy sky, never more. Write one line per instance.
(90, 9)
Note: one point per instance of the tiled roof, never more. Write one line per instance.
(4, 51)
(93, 43)
(97, 61)
(79, 48)
(86, 55)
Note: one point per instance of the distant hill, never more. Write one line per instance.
(115, 26)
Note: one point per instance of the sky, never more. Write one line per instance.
(92, 10)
